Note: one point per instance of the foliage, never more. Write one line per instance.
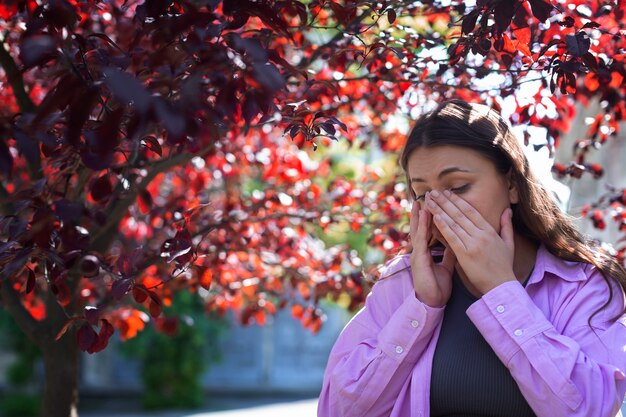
(176, 352)
(145, 144)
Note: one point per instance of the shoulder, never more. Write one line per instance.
(581, 288)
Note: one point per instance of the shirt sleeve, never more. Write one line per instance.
(376, 352)
(578, 371)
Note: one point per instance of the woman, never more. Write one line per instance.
(501, 309)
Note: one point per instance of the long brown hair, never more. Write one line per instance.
(536, 216)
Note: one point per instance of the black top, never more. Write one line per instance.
(468, 379)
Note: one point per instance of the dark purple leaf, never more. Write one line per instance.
(250, 108)
(469, 22)
(90, 266)
(503, 14)
(92, 314)
(96, 161)
(189, 91)
(251, 46)
(36, 50)
(329, 128)
(592, 25)
(541, 9)
(172, 119)
(106, 137)
(590, 61)
(106, 331)
(86, 337)
(18, 262)
(121, 287)
(391, 16)
(6, 160)
(80, 110)
(59, 97)
(226, 101)
(578, 44)
(128, 89)
(153, 144)
(69, 211)
(269, 76)
(30, 283)
(238, 20)
(570, 66)
(101, 188)
(27, 145)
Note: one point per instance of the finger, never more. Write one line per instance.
(413, 218)
(454, 234)
(467, 210)
(420, 242)
(506, 229)
(449, 260)
(438, 203)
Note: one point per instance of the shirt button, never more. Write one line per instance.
(500, 309)
(415, 323)
(518, 332)
(399, 349)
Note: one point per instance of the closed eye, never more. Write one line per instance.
(455, 190)
(460, 190)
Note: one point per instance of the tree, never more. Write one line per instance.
(138, 139)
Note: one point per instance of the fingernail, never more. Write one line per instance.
(447, 193)
(431, 204)
(434, 193)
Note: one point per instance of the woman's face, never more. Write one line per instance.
(466, 173)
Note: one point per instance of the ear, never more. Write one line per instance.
(512, 186)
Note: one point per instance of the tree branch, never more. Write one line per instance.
(12, 303)
(103, 239)
(340, 35)
(14, 77)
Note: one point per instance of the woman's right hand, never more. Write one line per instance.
(432, 281)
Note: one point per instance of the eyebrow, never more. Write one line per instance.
(443, 173)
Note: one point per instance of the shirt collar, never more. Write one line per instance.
(546, 262)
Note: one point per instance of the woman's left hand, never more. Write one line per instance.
(485, 256)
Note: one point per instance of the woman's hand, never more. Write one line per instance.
(485, 256)
(432, 282)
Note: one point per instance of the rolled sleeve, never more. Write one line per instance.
(408, 324)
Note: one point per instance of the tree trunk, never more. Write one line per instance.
(60, 392)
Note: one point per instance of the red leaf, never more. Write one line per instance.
(86, 337)
(102, 340)
(155, 309)
(156, 306)
(153, 144)
(144, 201)
(139, 293)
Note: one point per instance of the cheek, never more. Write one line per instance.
(489, 210)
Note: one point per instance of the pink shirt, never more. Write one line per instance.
(381, 362)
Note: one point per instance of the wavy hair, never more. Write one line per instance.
(536, 216)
